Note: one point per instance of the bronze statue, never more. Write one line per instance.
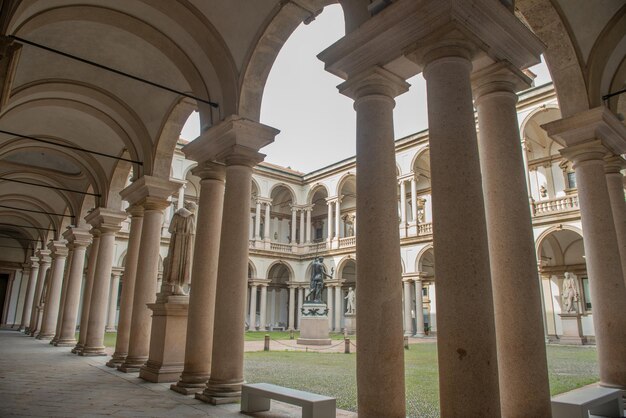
(318, 271)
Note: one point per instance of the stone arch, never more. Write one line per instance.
(288, 187)
(349, 176)
(347, 265)
(425, 260)
(252, 271)
(547, 236)
(278, 269)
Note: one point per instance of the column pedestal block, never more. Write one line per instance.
(117, 360)
(572, 330)
(350, 324)
(65, 343)
(167, 339)
(314, 326)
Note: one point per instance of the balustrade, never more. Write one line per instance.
(559, 204)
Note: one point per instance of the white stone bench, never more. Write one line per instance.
(588, 402)
(256, 398)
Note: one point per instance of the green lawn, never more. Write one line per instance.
(109, 338)
(334, 374)
(284, 335)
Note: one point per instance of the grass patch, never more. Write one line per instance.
(335, 374)
(284, 335)
(109, 338)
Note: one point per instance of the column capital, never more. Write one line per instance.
(58, 249)
(264, 200)
(614, 164)
(586, 151)
(595, 124)
(117, 271)
(77, 237)
(499, 78)
(240, 155)
(229, 138)
(34, 260)
(106, 220)
(209, 170)
(135, 211)
(151, 191)
(43, 257)
(374, 81)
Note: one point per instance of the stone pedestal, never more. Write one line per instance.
(167, 339)
(572, 329)
(350, 324)
(314, 326)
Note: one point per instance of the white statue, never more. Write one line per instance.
(177, 264)
(351, 304)
(570, 293)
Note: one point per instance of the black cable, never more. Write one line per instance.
(37, 211)
(50, 187)
(27, 226)
(113, 70)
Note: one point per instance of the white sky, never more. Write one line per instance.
(317, 123)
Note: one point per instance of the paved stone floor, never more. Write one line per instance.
(39, 380)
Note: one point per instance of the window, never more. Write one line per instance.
(586, 294)
(571, 180)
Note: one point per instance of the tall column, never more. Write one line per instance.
(329, 222)
(181, 197)
(78, 239)
(59, 321)
(108, 222)
(58, 252)
(238, 136)
(308, 223)
(515, 283)
(408, 301)
(30, 294)
(292, 302)
(460, 240)
(199, 340)
(302, 234)
(253, 297)
(587, 135)
(294, 217)
(331, 306)
(338, 309)
(414, 199)
(402, 202)
(128, 286)
(91, 271)
(337, 217)
(379, 326)
(268, 221)
(113, 292)
(300, 302)
(151, 193)
(257, 220)
(615, 184)
(263, 316)
(419, 309)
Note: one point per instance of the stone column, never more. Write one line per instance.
(181, 197)
(78, 239)
(308, 224)
(257, 220)
(615, 184)
(30, 295)
(268, 221)
(337, 217)
(294, 217)
(408, 301)
(292, 303)
(331, 306)
(516, 292)
(300, 302)
(151, 193)
(402, 203)
(128, 286)
(113, 292)
(58, 252)
(302, 234)
(253, 296)
(329, 222)
(199, 344)
(241, 138)
(338, 310)
(463, 269)
(263, 316)
(414, 198)
(59, 321)
(108, 222)
(379, 319)
(587, 136)
(419, 309)
(91, 270)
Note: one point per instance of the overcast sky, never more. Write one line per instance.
(317, 123)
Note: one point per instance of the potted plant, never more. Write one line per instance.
(426, 329)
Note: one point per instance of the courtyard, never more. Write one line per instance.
(40, 380)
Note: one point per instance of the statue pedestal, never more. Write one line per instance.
(350, 324)
(314, 324)
(572, 329)
(167, 339)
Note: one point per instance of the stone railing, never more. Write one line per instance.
(281, 248)
(347, 242)
(559, 204)
(316, 248)
(425, 229)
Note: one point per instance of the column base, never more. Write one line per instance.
(110, 329)
(20, 329)
(419, 335)
(219, 394)
(41, 336)
(62, 342)
(160, 373)
(116, 360)
(54, 340)
(77, 349)
(568, 340)
(188, 388)
(92, 352)
(132, 365)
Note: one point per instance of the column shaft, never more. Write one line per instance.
(294, 216)
(292, 302)
(257, 221)
(253, 296)
(414, 199)
(268, 221)
(91, 271)
(67, 335)
(614, 182)
(419, 309)
(402, 203)
(59, 322)
(300, 302)
(337, 218)
(338, 310)
(263, 317)
(329, 222)
(112, 310)
(460, 243)
(44, 265)
(408, 301)
(308, 225)
(30, 294)
(302, 235)
(331, 306)
(51, 310)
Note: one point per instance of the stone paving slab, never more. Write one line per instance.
(40, 380)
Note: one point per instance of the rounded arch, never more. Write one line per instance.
(168, 136)
(314, 190)
(288, 187)
(425, 261)
(548, 235)
(279, 272)
(252, 271)
(346, 262)
(347, 178)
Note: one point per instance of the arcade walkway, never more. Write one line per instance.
(39, 380)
